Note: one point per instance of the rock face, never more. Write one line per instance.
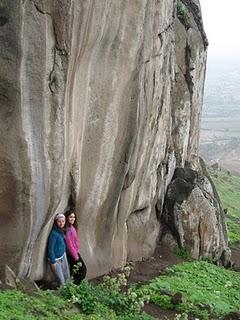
(100, 103)
(194, 215)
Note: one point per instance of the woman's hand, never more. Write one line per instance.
(53, 267)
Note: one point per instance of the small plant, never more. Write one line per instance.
(183, 316)
(83, 296)
(77, 267)
(182, 252)
(128, 301)
(162, 300)
(183, 14)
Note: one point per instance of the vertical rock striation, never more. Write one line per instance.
(100, 103)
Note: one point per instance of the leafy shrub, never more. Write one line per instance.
(182, 252)
(83, 296)
(110, 294)
(110, 300)
(162, 300)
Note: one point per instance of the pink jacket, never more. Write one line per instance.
(72, 243)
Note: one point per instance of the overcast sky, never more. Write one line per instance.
(221, 20)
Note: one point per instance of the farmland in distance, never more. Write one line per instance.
(220, 127)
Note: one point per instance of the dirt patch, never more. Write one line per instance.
(148, 269)
(158, 313)
(145, 270)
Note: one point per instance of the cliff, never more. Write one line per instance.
(100, 104)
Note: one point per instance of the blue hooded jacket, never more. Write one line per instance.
(56, 244)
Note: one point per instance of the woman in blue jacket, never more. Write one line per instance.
(56, 250)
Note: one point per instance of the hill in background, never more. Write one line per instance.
(220, 129)
(228, 187)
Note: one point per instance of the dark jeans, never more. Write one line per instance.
(78, 273)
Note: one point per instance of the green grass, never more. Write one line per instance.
(45, 305)
(208, 290)
(83, 302)
(228, 187)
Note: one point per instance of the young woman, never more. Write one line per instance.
(78, 268)
(56, 250)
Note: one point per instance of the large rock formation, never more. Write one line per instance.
(193, 214)
(100, 103)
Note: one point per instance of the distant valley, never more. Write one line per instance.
(220, 129)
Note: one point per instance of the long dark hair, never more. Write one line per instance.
(67, 214)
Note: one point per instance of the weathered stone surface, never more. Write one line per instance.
(13, 282)
(195, 216)
(168, 240)
(10, 277)
(100, 102)
(178, 298)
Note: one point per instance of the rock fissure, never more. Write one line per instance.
(6, 97)
(163, 32)
(60, 62)
(3, 20)
(189, 69)
(41, 11)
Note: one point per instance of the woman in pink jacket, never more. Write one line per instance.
(77, 266)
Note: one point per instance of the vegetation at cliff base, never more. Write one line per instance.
(228, 188)
(194, 289)
(84, 302)
(204, 291)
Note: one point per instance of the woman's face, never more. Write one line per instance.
(61, 223)
(71, 218)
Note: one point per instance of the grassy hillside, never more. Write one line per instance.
(197, 289)
(228, 187)
(193, 290)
